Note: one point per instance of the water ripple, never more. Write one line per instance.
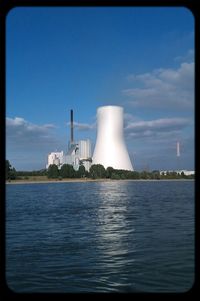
(100, 237)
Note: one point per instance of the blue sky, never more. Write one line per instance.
(80, 58)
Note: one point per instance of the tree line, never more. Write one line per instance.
(97, 171)
(11, 173)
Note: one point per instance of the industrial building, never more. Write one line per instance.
(55, 158)
(110, 149)
(78, 153)
(186, 172)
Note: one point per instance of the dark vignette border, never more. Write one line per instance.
(5, 7)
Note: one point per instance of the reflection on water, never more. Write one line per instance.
(113, 221)
(115, 236)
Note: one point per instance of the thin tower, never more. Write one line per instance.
(72, 127)
(178, 149)
(178, 154)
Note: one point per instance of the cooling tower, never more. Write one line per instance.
(110, 148)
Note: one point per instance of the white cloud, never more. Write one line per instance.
(83, 126)
(156, 128)
(21, 134)
(27, 144)
(163, 88)
(188, 57)
(21, 122)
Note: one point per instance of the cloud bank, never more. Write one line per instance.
(83, 126)
(163, 88)
(140, 129)
(189, 57)
(22, 134)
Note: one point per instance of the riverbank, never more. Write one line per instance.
(85, 180)
(56, 181)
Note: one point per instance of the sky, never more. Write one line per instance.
(81, 58)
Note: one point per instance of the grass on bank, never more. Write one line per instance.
(27, 179)
(30, 178)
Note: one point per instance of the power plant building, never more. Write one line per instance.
(85, 153)
(110, 149)
(78, 153)
(56, 158)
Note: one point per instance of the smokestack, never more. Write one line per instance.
(72, 127)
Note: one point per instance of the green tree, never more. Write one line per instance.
(87, 174)
(67, 171)
(155, 174)
(115, 176)
(109, 171)
(182, 174)
(8, 168)
(135, 175)
(11, 173)
(123, 176)
(81, 171)
(97, 171)
(144, 174)
(53, 172)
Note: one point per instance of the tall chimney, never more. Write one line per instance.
(72, 127)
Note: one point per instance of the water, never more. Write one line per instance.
(118, 236)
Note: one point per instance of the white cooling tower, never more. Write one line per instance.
(110, 148)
